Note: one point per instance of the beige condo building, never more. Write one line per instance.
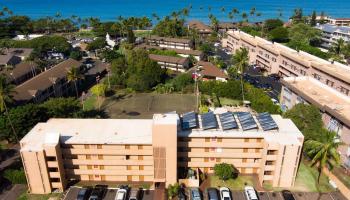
(305, 79)
(157, 150)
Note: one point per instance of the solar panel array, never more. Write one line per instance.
(228, 121)
(189, 120)
(247, 121)
(208, 120)
(266, 121)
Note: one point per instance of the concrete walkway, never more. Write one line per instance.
(341, 187)
(14, 192)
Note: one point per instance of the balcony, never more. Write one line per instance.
(219, 155)
(54, 174)
(52, 164)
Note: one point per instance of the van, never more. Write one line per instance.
(134, 194)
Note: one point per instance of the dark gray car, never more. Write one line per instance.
(212, 194)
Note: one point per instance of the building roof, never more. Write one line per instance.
(44, 80)
(167, 39)
(168, 59)
(227, 25)
(179, 51)
(139, 131)
(334, 28)
(21, 52)
(90, 131)
(200, 26)
(324, 97)
(19, 70)
(209, 69)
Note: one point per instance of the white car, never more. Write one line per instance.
(225, 193)
(250, 193)
(121, 194)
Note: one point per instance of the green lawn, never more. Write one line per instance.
(142, 33)
(90, 103)
(26, 196)
(232, 184)
(229, 102)
(307, 180)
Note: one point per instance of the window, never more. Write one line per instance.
(140, 157)
(128, 167)
(219, 139)
(88, 157)
(141, 167)
(141, 178)
(258, 140)
(246, 139)
(271, 152)
(127, 146)
(213, 139)
(316, 76)
(89, 166)
(207, 139)
(50, 158)
(274, 59)
(244, 160)
(127, 157)
(102, 167)
(139, 147)
(206, 149)
(206, 159)
(344, 90)
(284, 62)
(245, 150)
(86, 146)
(257, 150)
(302, 72)
(329, 83)
(269, 163)
(100, 157)
(218, 159)
(212, 159)
(267, 172)
(99, 146)
(95, 166)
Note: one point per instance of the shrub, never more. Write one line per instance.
(225, 171)
(173, 190)
(15, 176)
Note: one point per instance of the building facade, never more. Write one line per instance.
(334, 107)
(332, 33)
(179, 64)
(157, 150)
(278, 59)
(165, 42)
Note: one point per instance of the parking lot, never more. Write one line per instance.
(298, 195)
(110, 194)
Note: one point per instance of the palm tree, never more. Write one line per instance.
(241, 61)
(214, 22)
(338, 46)
(245, 17)
(6, 91)
(323, 151)
(223, 9)
(74, 75)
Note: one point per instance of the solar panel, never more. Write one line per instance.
(228, 121)
(247, 121)
(266, 121)
(189, 120)
(208, 120)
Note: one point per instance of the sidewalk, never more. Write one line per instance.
(341, 187)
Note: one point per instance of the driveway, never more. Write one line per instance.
(110, 194)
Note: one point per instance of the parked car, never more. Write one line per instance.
(121, 194)
(225, 193)
(84, 193)
(96, 194)
(134, 194)
(250, 193)
(181, 193)
(195, 194)
(212, 194)
(274, 101)
(287, 195)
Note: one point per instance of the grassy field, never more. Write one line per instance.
(144, 105)
(142, 33)
(307, 180)
(233, 184)
(26, 196)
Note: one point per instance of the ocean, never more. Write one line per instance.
(109, 10)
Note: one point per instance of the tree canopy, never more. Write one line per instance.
(225, 171)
